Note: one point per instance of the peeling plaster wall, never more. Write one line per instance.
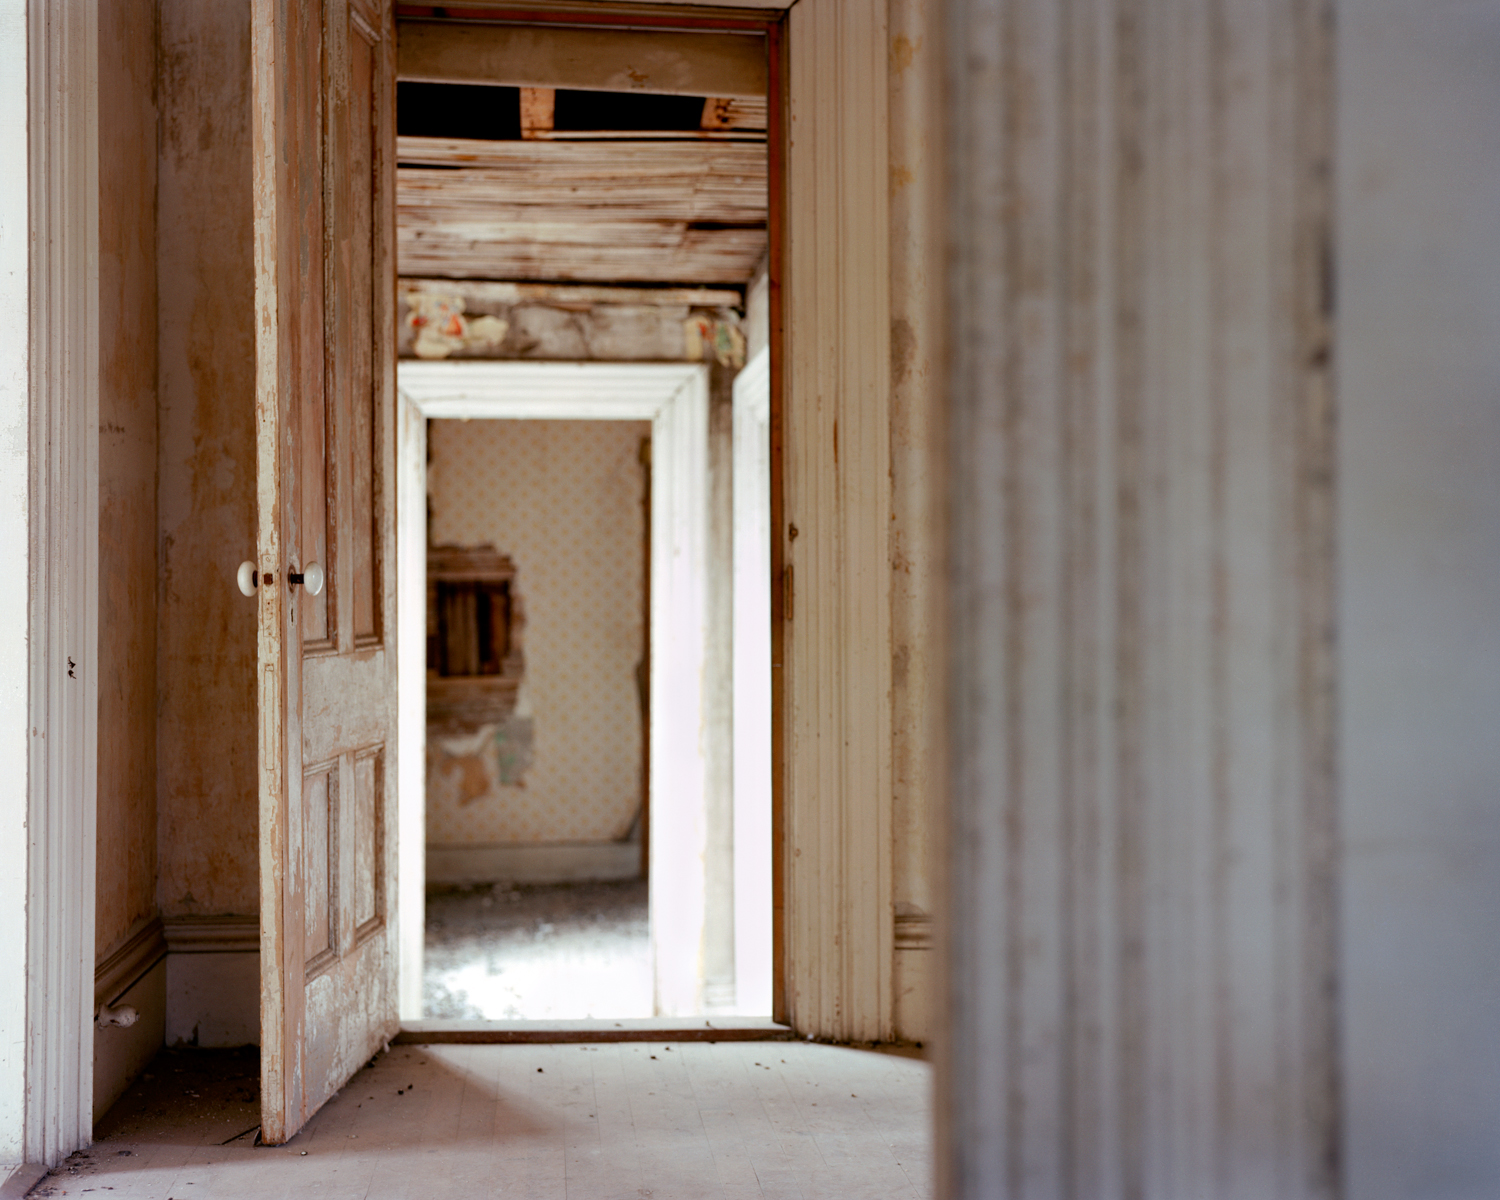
(207, 834)
(564, 499)
(126, 884)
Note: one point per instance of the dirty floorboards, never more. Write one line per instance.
(590, 1122)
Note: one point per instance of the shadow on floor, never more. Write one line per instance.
(687, 1120)
(189, 1097)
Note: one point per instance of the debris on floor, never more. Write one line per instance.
(538, 952)
(556, 1122)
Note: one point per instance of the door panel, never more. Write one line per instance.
(320, 794)
(325, 411)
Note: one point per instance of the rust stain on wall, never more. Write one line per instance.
(126, 874)
(208, 841)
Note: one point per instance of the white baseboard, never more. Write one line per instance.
(230, 934)
(122, 1052)
(117, 971)
(213, 981)
(133, 974)
(550, 862)
(16, 1180)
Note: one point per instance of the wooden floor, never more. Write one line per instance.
(592, 1122)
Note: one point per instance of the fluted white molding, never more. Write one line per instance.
(1140, 941)
(15, 723)
(61, 505)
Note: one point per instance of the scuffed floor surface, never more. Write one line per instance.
(540, 952)
(685, 1121)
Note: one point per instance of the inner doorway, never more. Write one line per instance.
(537, 900)
(682, 725)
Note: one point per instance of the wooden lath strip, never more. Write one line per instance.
(639, 153)
(666, 62)
(731, 112)
(708, 264)
(486, 292)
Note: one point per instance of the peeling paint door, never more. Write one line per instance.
(325, 409)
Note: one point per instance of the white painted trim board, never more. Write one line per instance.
(674, 398)
(15, 723)
(753, 948)
(49, 513)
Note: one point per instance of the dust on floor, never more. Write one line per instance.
(538, 952)
(678, 1120)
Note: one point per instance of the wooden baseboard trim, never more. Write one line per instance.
(648, 1029)
(543, 862)
(21, 1179)
(124, 966)
(230, 934)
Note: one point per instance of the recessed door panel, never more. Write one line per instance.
(320, 854)
(315, 503)
(368, 834)
(363, 198)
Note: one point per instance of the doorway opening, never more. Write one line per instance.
(583, 320)
(478, 403)
(535, 776)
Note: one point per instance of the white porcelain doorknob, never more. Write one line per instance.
(312, 579)
(247, 577)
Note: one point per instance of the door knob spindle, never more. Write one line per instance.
(312, 579)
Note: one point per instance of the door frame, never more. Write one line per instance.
(49, 526)
(674, 398)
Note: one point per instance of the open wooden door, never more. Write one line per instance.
(324, 177)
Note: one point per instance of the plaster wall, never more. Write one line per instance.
(125, 870)
(207, 830)
(1419, 608)
(564, 500)
(126, 887)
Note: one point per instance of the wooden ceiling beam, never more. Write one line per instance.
(481, 294)
(615, 60)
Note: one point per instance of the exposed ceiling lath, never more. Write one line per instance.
(608, 211)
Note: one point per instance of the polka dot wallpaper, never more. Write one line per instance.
(563, 499)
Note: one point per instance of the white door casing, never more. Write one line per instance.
(49, 529)
(752, 687)
(674, 398)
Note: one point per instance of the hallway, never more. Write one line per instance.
(543, 952)
(582, 1122)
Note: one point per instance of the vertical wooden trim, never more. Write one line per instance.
(836, 484)
(776, 137)
(62, 622)
(680, 712)
(751, 725)
(1309, 42)
(15, 538)
(645, 681)
(1142, 977)
(916, 558)
(411, 648)
(279, 780)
